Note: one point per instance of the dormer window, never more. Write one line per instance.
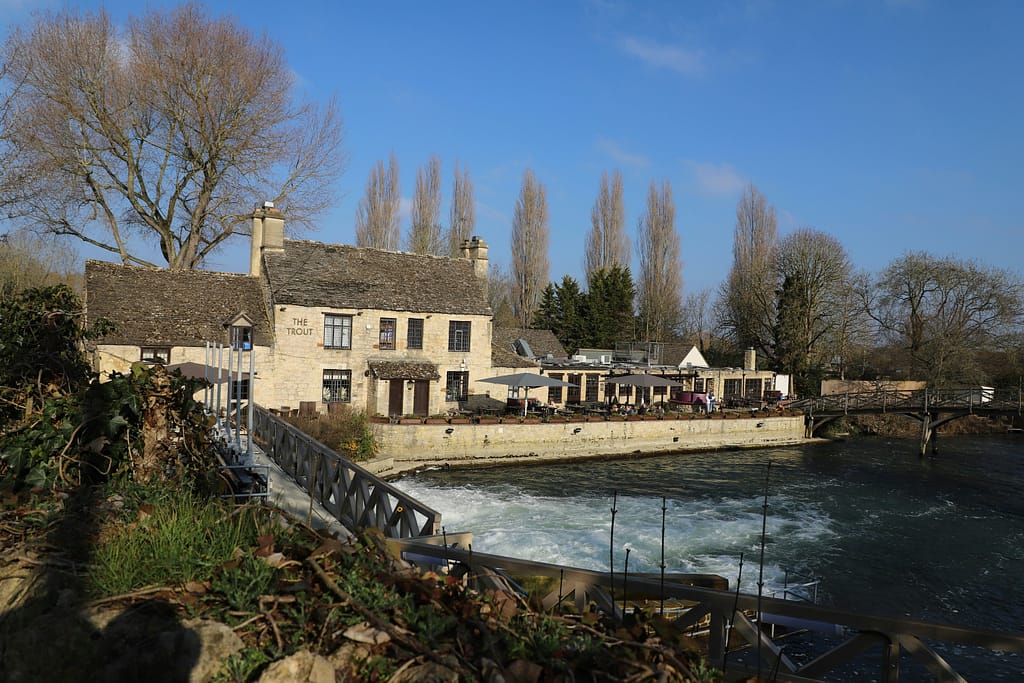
(241, 337)
(240, 332)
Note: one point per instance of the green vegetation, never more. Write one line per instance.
(343, 429)
(168, 535)
(110, 512)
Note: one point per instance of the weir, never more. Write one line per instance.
(739, 629)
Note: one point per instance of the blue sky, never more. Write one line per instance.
(891, 125)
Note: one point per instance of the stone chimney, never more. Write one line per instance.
(267, 234)
(475, 249)
(750, 360)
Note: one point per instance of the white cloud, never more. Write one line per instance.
(685, 62)
(612, 149)
(716, 179)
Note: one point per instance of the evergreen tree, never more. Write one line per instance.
(547, 316)
(609, 307)
(562, 310)
(572, 303)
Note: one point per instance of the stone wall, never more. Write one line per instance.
(293, 371)
(411, 446)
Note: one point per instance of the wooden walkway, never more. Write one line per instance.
(931, 407)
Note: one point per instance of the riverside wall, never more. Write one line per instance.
(405, 447)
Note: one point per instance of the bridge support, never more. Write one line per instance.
(927, 432)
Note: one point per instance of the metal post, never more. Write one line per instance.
(220, 362)
(238, 401)
(206, 376)
(252, 389)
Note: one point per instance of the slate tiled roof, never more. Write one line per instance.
(541, 342)
(342, 276)
(159, 307)
(403, 369)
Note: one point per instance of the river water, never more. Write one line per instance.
(884, 532)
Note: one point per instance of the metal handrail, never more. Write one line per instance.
(356, 497)
(731, 623)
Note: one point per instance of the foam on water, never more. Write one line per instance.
(702, 535)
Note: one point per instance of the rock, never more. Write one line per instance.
(146, 643)
(217, 642)
(364, 633)
(428, 672)
(301, 667)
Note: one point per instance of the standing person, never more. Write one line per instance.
(711, 402)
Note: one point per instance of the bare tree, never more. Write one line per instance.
(530, 236)
(608, 244)
(853, 338)
(377, 223)
(29, 260)
(746, 308)
(425, 231)
(695, 322)
(499, 296)
(165, 136)
(940, 311)
(814, 273)
(462, 215)
(660, 283)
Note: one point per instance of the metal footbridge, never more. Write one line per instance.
(931, 407)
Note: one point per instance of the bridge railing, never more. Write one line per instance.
(919, 400)
(731, 618)
(356, 497)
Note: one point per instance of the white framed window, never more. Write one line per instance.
(337, 331)
(388, 330)
(458, 335)
(337, 386)
(457, 386)
(158, 355)
(414, 338)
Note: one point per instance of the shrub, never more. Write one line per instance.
(343, 429)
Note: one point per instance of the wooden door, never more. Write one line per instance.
(396, 397)
(421, 398)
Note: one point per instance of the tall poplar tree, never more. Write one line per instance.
(748, 297)
(608, 244)
(661, 272)
(377, 223)
(425, 236)
(530, 237)
(462, 213)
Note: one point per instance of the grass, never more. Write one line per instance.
(167, 536)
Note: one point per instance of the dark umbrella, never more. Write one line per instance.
(527, 380)
(644, 380)
(200, 371)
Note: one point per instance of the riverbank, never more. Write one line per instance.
(409, 447)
